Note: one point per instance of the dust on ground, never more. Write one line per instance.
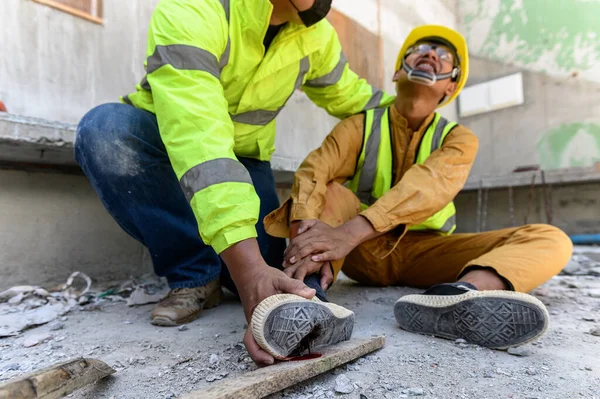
(159, 362)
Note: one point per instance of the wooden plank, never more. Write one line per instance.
(56, 381)
(265, 381)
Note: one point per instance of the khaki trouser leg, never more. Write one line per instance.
(341, 205)
(526, 256)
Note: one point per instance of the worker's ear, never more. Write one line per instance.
(396, 76)
(450, 89)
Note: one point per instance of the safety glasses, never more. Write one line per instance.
(444, 53)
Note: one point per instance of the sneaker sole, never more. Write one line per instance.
(492, 319)
(212, 301)
(285, 325)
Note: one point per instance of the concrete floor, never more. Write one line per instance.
(154, 362)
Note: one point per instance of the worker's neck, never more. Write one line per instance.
(413, 109)
(280, 14)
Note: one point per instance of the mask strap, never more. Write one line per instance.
(294, 5)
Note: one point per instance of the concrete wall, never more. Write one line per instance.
(557, 47)
(556, 127)
(57, 66)
(557, 37)
(52, 225)
(573, 208)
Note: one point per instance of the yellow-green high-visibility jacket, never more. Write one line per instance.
(216, 93)
(373, 176)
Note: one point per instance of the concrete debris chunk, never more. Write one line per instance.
(595, 331)
(216, 376)
(55, 326)
(581, 265)
(520, 351)
(343, 384)
(26, 306)
(150, 289)
(214, 359)
(36, 340)
(15, 291)
(183, 328)
(416, 392)
(13, 324)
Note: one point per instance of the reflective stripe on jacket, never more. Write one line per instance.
(216, 94)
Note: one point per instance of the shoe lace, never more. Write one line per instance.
(181, 293)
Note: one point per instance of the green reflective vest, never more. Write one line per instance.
(216, 94)
(373, 176)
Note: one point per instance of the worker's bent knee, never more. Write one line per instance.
(107, 139)
(557, 241)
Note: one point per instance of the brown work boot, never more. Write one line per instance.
(182, 305)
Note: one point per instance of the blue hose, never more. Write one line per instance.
(585, 239)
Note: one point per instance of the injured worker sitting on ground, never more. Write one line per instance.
(376, 202)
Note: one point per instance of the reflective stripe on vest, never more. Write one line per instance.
(374, 168)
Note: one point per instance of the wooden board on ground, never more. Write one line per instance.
(56, 381)
(271, 379)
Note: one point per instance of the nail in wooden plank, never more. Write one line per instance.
(265, 381)
(56, 381)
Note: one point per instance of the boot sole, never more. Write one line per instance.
(212, 301)
(285, 325)
(492, 319)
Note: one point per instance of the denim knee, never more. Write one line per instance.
(105, 140)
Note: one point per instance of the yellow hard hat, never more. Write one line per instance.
(448, 35)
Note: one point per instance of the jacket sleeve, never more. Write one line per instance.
(427, 188)
(334, 160)
(332, 85)
(186, 42)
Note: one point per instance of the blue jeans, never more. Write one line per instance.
(121, 152)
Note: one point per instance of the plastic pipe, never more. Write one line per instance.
(585, 239)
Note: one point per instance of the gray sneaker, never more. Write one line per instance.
(493, 319)
(287, 325)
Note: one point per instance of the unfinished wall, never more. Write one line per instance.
(57, 66)
(555, 37)
(557, 47)
(52, 225)
(555, 128)
(575, 208)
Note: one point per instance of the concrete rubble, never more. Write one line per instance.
(167, 362)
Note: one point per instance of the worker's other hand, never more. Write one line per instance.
(319, 241)
(254, 286)
(307, 266)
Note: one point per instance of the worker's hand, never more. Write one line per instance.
(323, 242)
(306, 266)
(255, 281)
(259, 285)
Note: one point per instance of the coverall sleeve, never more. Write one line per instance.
(335, 160)
(186, 42)
(333, 86)
(427, 188)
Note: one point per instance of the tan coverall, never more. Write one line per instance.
(525, 256)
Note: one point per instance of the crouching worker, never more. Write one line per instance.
(393, 223)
